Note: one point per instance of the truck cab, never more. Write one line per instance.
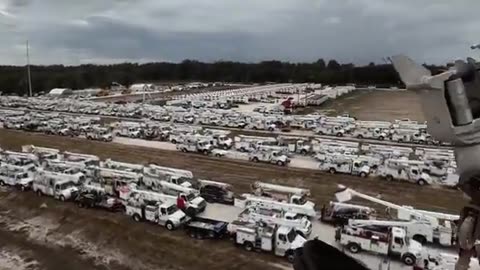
(100, 134)
(224, 142)
(165, 214)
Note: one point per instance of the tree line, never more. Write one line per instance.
(13, 79)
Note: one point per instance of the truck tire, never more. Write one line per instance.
(184, 150)
(360, 136)
(389, 177)
(174, 141)
(2, 183)
(421, 142)
(381, 138)
(400, 140)
(225, 147)
(339, 134)
(332, 170)
(255, 159)
(420, 238)
(280, 163)
(248, 246)
(205, 152)
(39, 193)
(169, 226)
(353, 248)
(81, 205)
(62, 198)
(242, 149)
(421, 182)
(409, 259)
(303, 152)
(23, 188)
(137, 217)
(363, 174)
(192, 234)
(290, 255)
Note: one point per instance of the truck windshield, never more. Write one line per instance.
(172, 209)
(191, 197)
(65, 185)
(291, 235)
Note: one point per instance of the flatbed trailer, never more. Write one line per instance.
(204, 228)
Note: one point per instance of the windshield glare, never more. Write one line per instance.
(172, 209)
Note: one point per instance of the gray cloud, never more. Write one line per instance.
(359, 31)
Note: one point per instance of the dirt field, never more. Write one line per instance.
(111, 241)
(377, 105)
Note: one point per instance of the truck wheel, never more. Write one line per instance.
(420, 238)
(243, 149)
(381, 138)
(225, 147)
(400, 140)
(332, 170)
(339, 134)
(39, 193)
(421, 182)
(409, 259)
(192, 234)
(169, 226)
(255, 159)
(360, 136)
(23, 188)
(421, 142)
(389, 177)
(363, 174)
(248, 246)
(353, 247)
(218, 155)
(303, 152)
(2, 183)
(137, 218)
(174, 141)
(80, 205)
(280, 163)
(205, 152)
(62, 198)
(290, 256)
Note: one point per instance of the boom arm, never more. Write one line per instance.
(346, 194)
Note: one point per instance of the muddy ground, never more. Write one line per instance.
(375, 105)
(64, 237)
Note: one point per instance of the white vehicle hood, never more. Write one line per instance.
(415, 248)
(197, 201)
(365, 169)
(309, 204)
(298, 242)
(68, 192)
(177, 216)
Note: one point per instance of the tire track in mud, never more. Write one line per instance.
(242, 173)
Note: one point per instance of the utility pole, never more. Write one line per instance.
(28, 73)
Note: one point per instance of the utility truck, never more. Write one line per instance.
(420, 225)
(154, 174)
(164, 213)
(274, 157)
(345, 165)
(301, 224)
(42, 153)
(194, 204)
(100, 134)
(281, 193)
(200, 146)
(281, 240)
(397, 169)
(122, 166)
(306, 208)
(53, 184)
(391, 242)
(15, 178)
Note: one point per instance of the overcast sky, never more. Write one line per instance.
(107, 31)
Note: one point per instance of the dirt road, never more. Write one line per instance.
(242, 173)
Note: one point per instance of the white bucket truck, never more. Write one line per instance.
(16, 178)
(53, 184)
(281, 240)
(194, 204)
(150, 206)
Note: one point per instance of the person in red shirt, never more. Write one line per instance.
(180, 203)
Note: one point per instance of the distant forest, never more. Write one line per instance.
(13, 78)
